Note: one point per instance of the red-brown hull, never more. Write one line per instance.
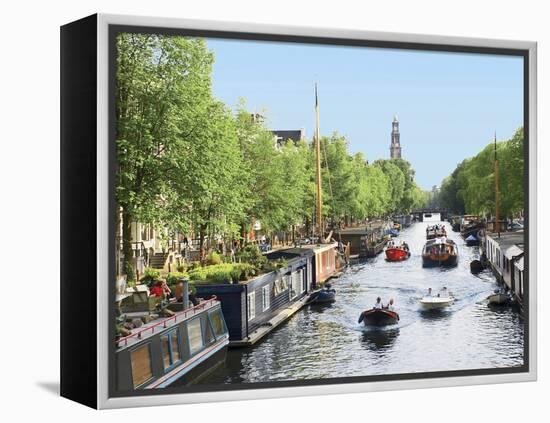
(396, 254)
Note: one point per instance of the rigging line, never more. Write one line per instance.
(330, 189)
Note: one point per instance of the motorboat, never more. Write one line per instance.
(472, 240)
(379, 317)
(440, 252)
(442, 300)
(397, 252)
(323, 296)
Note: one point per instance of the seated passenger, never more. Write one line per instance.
(390, 305)
(157, 290)
(429, 292)
(378, 304)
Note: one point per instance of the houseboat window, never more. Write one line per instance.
(141, 365)
(296, 284)
(194, 329)
(218, 325)
(251, 305)
(276, 287)
(266, 298)
(170, 348)
(284, 282)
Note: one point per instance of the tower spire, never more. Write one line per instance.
(395, 146)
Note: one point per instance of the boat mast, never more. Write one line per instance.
(497, 222)
(318, 169)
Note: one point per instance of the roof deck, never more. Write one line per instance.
(148, 330)
(508, 239)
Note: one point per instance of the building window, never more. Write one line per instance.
(141, 365)
(218, 324)
(251, 306)
(170, 349)
(194, 330)
(266, 297)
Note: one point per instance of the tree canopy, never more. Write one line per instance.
(471, 187)
(187, 163)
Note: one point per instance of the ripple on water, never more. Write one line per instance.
(322, 342)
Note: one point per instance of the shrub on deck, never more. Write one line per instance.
(223, 273)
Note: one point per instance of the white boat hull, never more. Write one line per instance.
(498, 299)
(430, 303)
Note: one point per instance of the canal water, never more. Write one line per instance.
(324, 342)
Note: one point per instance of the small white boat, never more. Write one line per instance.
(499, 298)
(435, 302)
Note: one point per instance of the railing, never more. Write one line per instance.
(185, 313)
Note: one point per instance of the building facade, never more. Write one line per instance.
(395, 146)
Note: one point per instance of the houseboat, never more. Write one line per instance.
(254, 307)
(440, 252)
(505, 255)
(176, 349)
(367, 241)
(471, 225)
(403, 220)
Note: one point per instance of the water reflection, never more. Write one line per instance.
(379, 340)
(326, 341)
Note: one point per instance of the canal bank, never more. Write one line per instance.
(326, 342)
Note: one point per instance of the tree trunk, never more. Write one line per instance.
(202, 250)
(128, 266)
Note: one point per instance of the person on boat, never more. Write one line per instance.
(429, 292)
(444, 292)
(160, 289)
(378, 305)
(156, 290)
(390, 306)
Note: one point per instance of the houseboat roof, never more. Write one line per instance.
(362, 230)
(513, 251)
(289, 253)
(319, 248)
(155, 326)
(508, 239)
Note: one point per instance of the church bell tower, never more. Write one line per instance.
(395, 146)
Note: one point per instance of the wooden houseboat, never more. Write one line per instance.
(365, 242)
(404, 220)
(175, 349)
(440, 252)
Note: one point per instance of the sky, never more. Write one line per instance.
(449, 105)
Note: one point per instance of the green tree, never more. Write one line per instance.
(161, 85)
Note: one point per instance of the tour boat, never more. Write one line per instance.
(440, 252)
(379, 317)
(397, 252)
(436, 302)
